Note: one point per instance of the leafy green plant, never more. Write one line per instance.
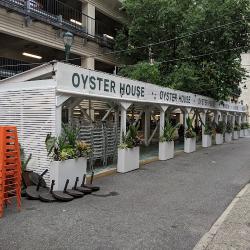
(220, 127)
(208, 128)
(244, 125)
(24, 160)
(131, 139)
(236, 127)
(229, 127)
(168, 131)
(66, 146)
(190, 133)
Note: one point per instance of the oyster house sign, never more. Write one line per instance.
(91, 83)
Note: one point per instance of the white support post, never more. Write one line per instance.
(233, 120)
(203, 119)
(147, 126)
(163, 109)
(124, 108)
(58, 120)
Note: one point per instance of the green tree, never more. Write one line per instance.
(217, 75)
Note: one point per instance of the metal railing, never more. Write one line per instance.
(60, 15)
(11, 67)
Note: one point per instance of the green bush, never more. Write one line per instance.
(190, 133)
(168, 131)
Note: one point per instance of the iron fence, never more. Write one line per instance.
(11, 67)
(61, 16)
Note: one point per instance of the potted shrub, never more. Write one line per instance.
(69, 157)
(190, 137)
(236, 131)
(166, 144)
(229, 131)
(242, 127)
(220, 130)
(245, 128)
(207, 136)
(129, 151)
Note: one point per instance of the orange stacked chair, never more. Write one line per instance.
(10, 167)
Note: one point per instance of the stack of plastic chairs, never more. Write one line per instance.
(10, 167)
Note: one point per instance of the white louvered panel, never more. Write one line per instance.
(33, 112)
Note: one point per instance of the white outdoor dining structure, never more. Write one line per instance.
(38, 101)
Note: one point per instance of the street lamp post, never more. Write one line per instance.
(68, 40)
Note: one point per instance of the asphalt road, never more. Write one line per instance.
(164, 205)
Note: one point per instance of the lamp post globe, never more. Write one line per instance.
(68, 41)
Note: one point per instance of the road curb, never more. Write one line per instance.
(208, 237)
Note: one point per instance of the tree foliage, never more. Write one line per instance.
(217, 75)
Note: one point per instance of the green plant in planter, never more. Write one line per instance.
(131, 139)
(229, 127)
(168, 131)
(190, 133)
(244, 125)
(236, 127)
(66, 146)
(208, 129)
(220, 127)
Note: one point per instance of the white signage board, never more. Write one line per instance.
(77, 80)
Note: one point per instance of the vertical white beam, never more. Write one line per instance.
(233, 120)
(58, 120)
(162, 121)
(123, 121)
(147, 125)
(203, 119)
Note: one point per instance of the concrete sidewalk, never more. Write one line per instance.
(163, 205)
(232, 229)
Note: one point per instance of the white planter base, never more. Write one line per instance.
(206, 141)
(128, 159)
(228, 137)
(60, 171)
(245, 132)
(242, 133)
(218, 139)
(166, 150)
(235, 135)
(189, 145)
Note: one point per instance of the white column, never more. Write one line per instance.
(225, 118)
(216, 117)
(88, 63)
(124, 108)
(58, 125)
(147, 126)
(88, 22)
(162, 121)
(203, 119)
(233, 120)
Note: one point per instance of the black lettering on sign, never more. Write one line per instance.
(106, 85)
(122, 88)
(92, 84)
(142, 91)
(76, 80)
(99, 81)
(84, 80)
(112, 86)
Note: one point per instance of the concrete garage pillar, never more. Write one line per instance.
(88, 21)
(88, 63)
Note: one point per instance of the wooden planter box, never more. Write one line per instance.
(128, 159)
(189, 145)
(218, 139)
(228, 137)
(60, 171)
(166, 150)
(206, 141)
